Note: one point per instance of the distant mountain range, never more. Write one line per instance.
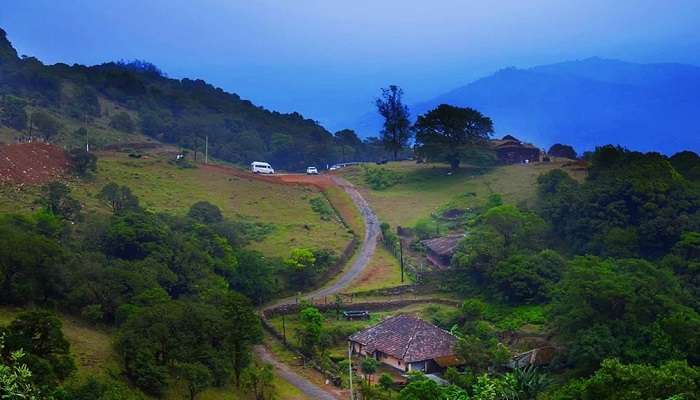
(585, 103)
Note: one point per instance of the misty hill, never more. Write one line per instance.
(587, 103)
(121, 102)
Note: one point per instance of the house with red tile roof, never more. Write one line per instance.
(407, 343)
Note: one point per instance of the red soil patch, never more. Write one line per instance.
(32, 163)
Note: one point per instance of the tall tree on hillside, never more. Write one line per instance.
(396, 131)
(47, 125)
(349, 143)
(453, 134)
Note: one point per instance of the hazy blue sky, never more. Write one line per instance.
(328, 59)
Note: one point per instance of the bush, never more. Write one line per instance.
(321, 206)
(381, 178)
(122, 122)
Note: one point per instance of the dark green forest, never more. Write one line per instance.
(37, 99)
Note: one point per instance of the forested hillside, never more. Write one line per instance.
(119, 101)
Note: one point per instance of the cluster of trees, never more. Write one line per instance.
(445, 134)
(615, 261)
(178, 289)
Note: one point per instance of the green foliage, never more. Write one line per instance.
(217, 336)
(122, 121)
(16, 381)
(38, 334)
(631, 205)
(45, 124)
(379, 178)
(369, 367)
(97, 388)
(629, 309)
(56, 199)
(197, 376)
(205, 212)
(259, 379)
(562, 150)
(310, 330)
(83, 163)
(524, 279)
(12, 113)
(454, 135)
(617, 381)
(687, 164)
(396, 131)
(119, 198)
(321, 206)
(30, 262)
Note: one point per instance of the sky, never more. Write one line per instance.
(328, 59)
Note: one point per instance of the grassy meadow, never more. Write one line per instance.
(427, 188)
(283, 212)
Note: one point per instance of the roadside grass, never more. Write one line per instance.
(427, 188)
(383, 271)
(347, 210)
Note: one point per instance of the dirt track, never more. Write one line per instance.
(360, 261)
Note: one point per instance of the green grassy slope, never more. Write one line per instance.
(283, 210)
(427, 188)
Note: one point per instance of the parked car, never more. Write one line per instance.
(334, 167)
(311, 171)
(259, 167)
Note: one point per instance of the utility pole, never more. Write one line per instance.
(87, 135)
(401, 252)
(206, 149)
(284, 331)
(352, 397)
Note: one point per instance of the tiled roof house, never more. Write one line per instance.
(408, 344)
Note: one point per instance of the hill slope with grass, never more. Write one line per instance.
(415, 191)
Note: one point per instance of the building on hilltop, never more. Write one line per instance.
(439, 251)
(510, 150)
(408, 344)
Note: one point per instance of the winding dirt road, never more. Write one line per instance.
(360, 261)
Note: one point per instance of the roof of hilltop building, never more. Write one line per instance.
(407, 338)
(445, 245)
(509, 141)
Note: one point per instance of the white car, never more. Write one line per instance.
(259, 167)
(334, 167)
(311, 171)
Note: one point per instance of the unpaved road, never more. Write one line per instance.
(360, 261)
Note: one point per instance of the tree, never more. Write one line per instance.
(396, 132)
(310, 330)
(562, 150)
(453, 134)
(369, 367)
(244, 330)
(630, 309)
(39, 334)
(118, 197)
(349, 143)
(301, 263)
(16, 381)
(617, 381)
(56, 199)
(205, 212)
(196, 375)
(47, 125)
(13, 113)
(83, 162)
(259, 379)
(122, 122)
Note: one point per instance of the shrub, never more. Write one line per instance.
(381, 178)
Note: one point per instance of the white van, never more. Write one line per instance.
(258, 167)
